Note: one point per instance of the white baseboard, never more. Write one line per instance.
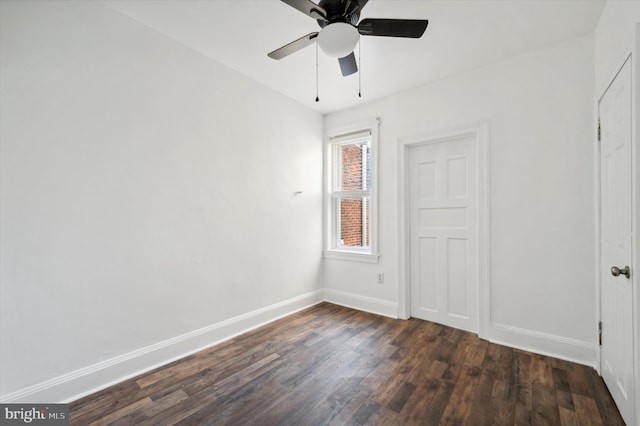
(362, 303)
(565, 348)
(74, 385)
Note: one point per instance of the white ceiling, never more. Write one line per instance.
(462, 35)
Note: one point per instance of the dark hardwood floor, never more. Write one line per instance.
(333, 365)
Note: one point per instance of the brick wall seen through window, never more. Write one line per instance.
(354, 212)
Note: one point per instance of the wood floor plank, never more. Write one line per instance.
(87, 410)
(481, 410)
(540, 371)
(346, 411)
(328, 410)
(462, 397)
(383, 416)
(587, 411)
(401, 396)
(247, 404)
(330, 380)
(193, 364)
(503, 412)
(565, 400)
(568, 417)
(578, 378)
(331, 365)
(438, 404)
(560, 379)
(545, 409)
(364, 412)
(142, 414)
(420, 404)
(235, 380)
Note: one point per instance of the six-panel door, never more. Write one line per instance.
(616, 296)
(444, 251)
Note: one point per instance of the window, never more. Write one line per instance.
(351, 194)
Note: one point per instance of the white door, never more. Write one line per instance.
(616, 295)
(443, 187)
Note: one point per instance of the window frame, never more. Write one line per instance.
(341, 136)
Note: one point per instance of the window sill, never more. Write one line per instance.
(351, 256)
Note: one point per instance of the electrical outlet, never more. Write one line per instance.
(380, 277)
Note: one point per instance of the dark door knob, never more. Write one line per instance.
(615, 271)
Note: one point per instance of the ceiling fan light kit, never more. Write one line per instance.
(341, 31)
(338, 40)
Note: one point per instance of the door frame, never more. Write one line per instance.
(631, 53)
(480, 133)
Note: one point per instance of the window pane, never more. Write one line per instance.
(354, 221)
(355, 160)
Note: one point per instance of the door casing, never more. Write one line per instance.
(479, 132)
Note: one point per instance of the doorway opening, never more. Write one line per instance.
(444, 228)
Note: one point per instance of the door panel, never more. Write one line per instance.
(443, 212)
(427, 180)
(457, 284)
(615, 241)
(427, 291)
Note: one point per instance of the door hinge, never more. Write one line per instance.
(599, 132)
(600, 333)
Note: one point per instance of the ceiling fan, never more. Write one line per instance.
(341, 31)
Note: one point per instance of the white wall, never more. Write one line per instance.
(146, 192)
(540, 111)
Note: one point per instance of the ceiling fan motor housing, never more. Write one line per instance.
(336, 13)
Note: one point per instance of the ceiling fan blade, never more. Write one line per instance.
(308, 7)
(412, 28)
(348, 65)
(294, 46)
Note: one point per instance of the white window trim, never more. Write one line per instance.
(352, 256)
(332, 137)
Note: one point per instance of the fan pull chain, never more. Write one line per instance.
(317, 79)
(360, 70)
